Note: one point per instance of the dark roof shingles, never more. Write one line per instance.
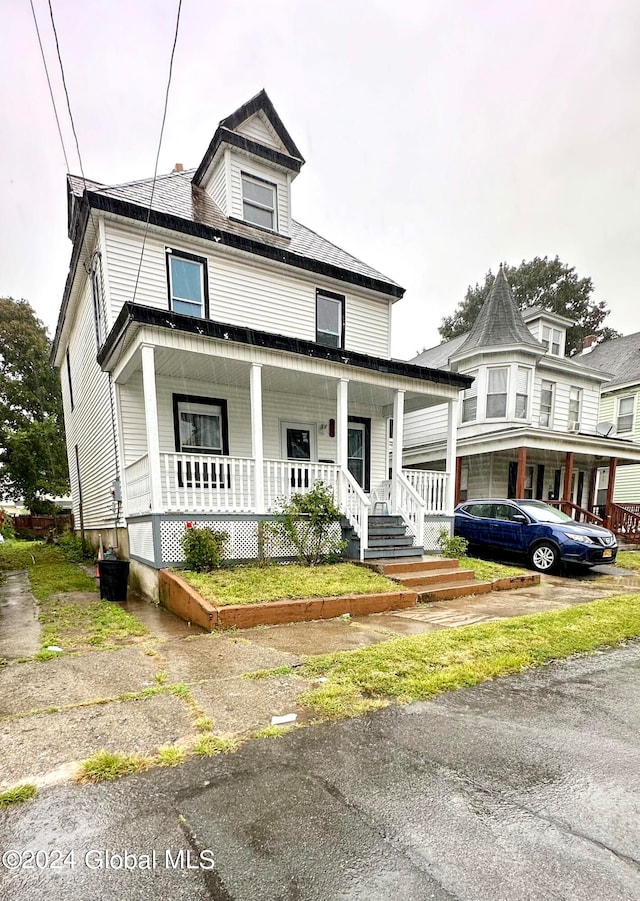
(619, 356)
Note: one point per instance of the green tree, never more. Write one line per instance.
(33, 456)
(540, 282)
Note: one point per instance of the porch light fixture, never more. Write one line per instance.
(332, 428)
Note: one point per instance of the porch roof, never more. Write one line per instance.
(626, 452)
(135, 316)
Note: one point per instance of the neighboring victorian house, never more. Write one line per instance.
(620, 415)
(216, 356)
(529, 425)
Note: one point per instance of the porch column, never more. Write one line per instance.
(522, 470)
(451, 462)
(568, 477)
(398, 435)
(456, 498)
(342, 434)
(591, 498)
(613, 463)
(151, 424)
(257, 441)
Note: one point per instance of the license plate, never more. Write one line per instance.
(607, 553)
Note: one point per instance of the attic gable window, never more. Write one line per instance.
(552, 338)
(329, 319)
(187, 284)
(258, 202)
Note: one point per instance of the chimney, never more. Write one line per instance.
(588, 343)
(178, 167)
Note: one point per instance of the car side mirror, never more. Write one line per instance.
(519, 517)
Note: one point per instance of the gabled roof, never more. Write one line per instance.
(619, 356)
(292, 159)
(499, 322)
(531, 313)
(181, 206)
(438, 357)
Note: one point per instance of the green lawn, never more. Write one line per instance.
(629, 559)
(253, 584)
(485, 570)
(418, 667)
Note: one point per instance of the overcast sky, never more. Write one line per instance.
(440, 137)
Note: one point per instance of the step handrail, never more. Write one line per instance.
(419, 502)
(356, 506)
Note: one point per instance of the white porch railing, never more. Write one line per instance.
(206, 483)
(409, 505)
(432, 488)
(282, 478)
(138, 486)
(356, 504)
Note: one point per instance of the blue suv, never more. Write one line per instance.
(545, 535)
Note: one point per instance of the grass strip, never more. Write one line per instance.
(629, 560)
(18, 794)
(255, 584)
(421, 666)
(104, 766)
(485, 570)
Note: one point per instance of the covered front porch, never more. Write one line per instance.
(222, 432)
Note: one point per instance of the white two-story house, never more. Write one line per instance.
(529, 425)
(217, 356)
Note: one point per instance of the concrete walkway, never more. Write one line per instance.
(156, 690)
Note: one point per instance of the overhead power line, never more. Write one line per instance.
(155, 171)
(46, 71)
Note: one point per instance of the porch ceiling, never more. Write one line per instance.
(181, 366)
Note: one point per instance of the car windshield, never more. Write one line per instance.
(543, 513)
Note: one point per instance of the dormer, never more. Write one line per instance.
(249, 166)
(549, 328)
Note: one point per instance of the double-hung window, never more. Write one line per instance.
(329, 318)
(259, 202)
(200, 425)
(552, 338)
(498, 382)
(187, 284)
(575, 402)
(547, 392)
(470, 400)
(625, 414)
(522, 393)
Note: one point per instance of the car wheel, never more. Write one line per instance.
(544, 557)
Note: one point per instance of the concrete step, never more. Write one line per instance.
(387, 529)
(386, 520)
(393, 569)
(449, 590)
(373, 554)
(434, 577)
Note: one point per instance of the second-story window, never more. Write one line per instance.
(522, 393)
(575, 402)
(470, 400)
(187, 278)
(497, 386)
(259, 202)
(552, 339)
(547, 391)
(329, 318)
(625, 414)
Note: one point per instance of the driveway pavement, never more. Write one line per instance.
(58, 712)
(522, 789)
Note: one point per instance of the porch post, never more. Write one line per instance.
(342, 434)
(257, 441)
(451, 463)
(522, 469)
(613, 463)
(568, 477)
(151, 423)
(456, 498)
(398, 435)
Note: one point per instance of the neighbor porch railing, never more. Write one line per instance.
(579, 514)
(624, 522)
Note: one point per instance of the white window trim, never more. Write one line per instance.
(311, 427)
(506, 393)
(176, 253)
(553, 404)
(632, 398)
(254, 203)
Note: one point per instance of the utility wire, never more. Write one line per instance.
(155, 171)
(46, 70)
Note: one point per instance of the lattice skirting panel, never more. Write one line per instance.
(433, 525)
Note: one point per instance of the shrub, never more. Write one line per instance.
(75, 549)
(203, 548)
(308, 522)
(7, 530)
(452, 546)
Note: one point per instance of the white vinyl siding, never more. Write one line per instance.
(425, 426)
(217, 185)
(243, 290)
(89, 424)
(470, 400)
(257, 130)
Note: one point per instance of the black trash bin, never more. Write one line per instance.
(114, 575)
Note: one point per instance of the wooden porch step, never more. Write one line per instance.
(416, 578)
(448, 591)
(393, 569)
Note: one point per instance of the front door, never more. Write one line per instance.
(299, 443)
(358, 450)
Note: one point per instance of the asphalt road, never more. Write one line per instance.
(525, 788)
